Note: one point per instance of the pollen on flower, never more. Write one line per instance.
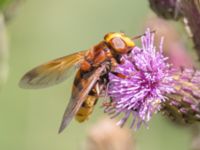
(148, 78)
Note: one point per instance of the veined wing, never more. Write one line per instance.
(51, 73)
(79, 94)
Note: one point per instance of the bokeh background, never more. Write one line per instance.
(46, 29)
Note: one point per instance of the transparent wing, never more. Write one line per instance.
(79, 94)
(51, 73)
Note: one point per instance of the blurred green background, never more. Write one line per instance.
(47, 29)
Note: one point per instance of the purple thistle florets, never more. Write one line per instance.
(147, 78)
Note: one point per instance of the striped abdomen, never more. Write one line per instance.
(93, 59)
(86, 108)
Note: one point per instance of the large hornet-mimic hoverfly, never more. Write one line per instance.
(91, 78)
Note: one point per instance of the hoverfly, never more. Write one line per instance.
(91, 78)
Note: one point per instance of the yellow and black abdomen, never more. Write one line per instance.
(93, 59)
(86, 109)
(79, 84)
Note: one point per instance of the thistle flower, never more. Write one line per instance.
(174, 48)
(145, 82)
(183, 105)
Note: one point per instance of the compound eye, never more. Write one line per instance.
(118, 44)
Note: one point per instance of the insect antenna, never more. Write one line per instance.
(139, 36)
